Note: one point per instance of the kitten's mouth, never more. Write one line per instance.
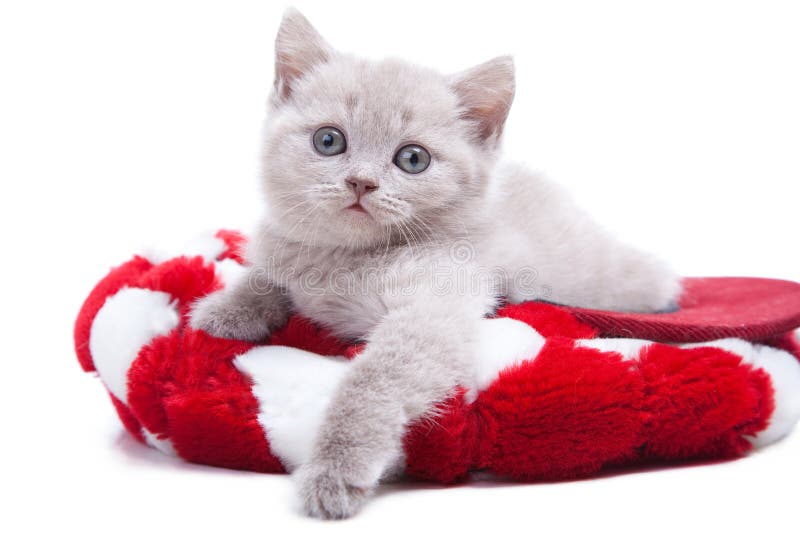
(358, 208)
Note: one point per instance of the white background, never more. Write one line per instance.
(125, 124)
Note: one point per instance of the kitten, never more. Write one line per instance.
(390, 221)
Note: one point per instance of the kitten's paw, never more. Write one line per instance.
(664, 293)
(219, 316)
(649, 286)
(324, 493)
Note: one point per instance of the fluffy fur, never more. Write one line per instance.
(424, 259)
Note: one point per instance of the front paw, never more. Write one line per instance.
(221, 316)
(326, 494)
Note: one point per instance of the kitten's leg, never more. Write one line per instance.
(413, 360)
(249, 309)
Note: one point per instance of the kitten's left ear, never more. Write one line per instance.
(485, 93)
(298, 49)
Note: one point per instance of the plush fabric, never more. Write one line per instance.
(560, 393)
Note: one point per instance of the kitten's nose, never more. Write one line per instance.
(361, 186)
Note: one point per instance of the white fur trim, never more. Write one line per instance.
(293, 388)
(629, 349)
(784, 371)
(740, 347)
(163, 445)
(206, 245)
(502, 343)
(126, 322)
(229, 270)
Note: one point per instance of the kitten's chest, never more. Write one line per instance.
(348, 293)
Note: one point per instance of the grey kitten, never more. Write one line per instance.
(390, 220)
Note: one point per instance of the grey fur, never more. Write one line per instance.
(419, 341)
(242, 312)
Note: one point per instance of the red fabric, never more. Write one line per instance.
(302, 334)
(185, 278)
(567, 413)
(200, 401)
(563, 415)
(234, 245)
(702, 402)
(572, 411)
(548, 320)
(116, 279)
(214, 420)
(710, 308)
(443, 449)
(129, 421)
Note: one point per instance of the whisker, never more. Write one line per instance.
(305, 235)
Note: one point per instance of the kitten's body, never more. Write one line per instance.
(535, 224)
(422, 260)
(528, 242)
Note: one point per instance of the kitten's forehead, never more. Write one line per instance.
(389, 97)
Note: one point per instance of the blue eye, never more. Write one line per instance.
(413, 159)
(329, 141)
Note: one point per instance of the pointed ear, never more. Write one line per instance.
(485, 93)
(298, 49)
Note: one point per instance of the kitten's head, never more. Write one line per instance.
(359, 152)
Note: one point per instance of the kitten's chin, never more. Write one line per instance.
(350, 227)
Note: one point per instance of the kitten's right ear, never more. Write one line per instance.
(298, 49)
(485, 93)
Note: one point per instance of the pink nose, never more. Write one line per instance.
(361, 186)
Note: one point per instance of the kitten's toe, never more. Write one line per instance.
(324, 493)
(218, 316)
